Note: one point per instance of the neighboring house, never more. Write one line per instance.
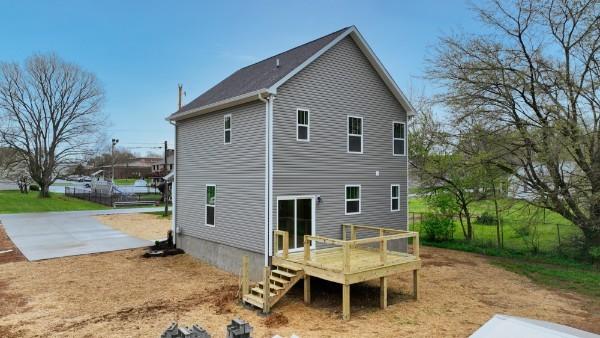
(162, 169)
(140, 167)
(302, 141)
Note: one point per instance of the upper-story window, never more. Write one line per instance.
(399, 135)
(355, 134)
(302, 125)
(227, 129)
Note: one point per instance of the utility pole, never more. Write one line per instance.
(112, 155)
(166, 194)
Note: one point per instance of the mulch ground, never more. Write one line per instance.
(14, 255)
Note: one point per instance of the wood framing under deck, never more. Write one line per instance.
(345, 261)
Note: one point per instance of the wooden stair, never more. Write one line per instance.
(281, 280)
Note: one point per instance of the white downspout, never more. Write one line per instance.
(271, 99)
(174, 185)
(268, 159)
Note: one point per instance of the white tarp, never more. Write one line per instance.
(501, 326)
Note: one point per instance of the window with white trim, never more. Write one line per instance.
(355, 134)
(399, 138)
(227, 129)
(352, 199)
(302, 125)
(395, 197)
(211, 198)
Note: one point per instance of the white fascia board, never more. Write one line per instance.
(368, 52)
(234, 101)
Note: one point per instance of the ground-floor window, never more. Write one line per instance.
(352, 199)
(211, 197)
(395, 197)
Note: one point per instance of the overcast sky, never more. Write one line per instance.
(141, 50)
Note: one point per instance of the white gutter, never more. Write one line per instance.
(268, 174)
(230, 102)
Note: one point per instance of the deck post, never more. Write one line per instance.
(416, 245)
(344, 232)
(352, 232)
(306, 289)
(346, 252)
(383, 292)
(266, 290)
(416, 284)
(346, 302)
(306, 249)
(245, 285)
(383, 251)
(286, 244)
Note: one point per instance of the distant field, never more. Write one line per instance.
(514, 214)
(12, 201)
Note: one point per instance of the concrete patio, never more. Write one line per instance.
(59, 234)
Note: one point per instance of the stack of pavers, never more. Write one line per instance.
(239, 329)
(183, 332)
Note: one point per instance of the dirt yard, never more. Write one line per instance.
(144, 226)
(8, 251)
(122, 294)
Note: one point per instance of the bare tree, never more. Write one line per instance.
(49, 115)
(533, 82)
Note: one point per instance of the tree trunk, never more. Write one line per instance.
(44, 190)
(469, 225)
(497, 216)
(462, 225)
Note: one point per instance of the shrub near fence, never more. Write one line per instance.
(100, 197)
(546, 236)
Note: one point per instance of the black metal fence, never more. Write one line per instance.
(101, 196)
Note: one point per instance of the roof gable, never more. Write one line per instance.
(264, 77)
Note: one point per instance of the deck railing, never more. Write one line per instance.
(383, 237)
(284, 241)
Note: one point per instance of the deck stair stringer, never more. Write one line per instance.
(281, 280)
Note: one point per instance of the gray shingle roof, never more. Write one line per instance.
(262, 74)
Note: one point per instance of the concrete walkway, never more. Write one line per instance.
(59, 234)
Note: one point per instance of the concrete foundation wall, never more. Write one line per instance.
(222, 256)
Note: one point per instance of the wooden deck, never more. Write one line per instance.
(351, 260)
(365, 264)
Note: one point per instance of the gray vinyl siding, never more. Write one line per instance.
(237, 169)
(339, 83)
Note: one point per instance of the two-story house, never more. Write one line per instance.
(302, 141)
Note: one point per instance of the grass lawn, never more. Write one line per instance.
(548, 268)
(128, 181)
(514, 214)
(551, 270)
(12, 201)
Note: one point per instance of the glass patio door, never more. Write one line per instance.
(295, 215)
